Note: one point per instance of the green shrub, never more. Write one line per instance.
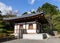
(3, 30)
(2, 35)
(10, 32)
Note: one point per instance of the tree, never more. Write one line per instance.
(39, 9)
(24, 13)
(49, 10)
(2, 24)
(33, 12)
(9, 15)
(56, 22)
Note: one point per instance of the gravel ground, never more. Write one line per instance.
(25, 41)
(50, 40)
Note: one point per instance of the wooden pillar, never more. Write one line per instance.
(37, 29)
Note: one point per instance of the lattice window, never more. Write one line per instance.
(21, 26)
(30, 26)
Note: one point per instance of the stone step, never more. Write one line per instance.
(33, 36)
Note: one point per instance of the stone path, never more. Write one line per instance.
(25, 41)
(53, 40)
(50, 40)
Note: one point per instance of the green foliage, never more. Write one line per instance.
(10, 32)
(52, 14)
(49, 9)
(24, 13)
(46, 28)
(8, 25)
(2, 30)
(9, 15)
(3, 35)
(39, 9)
(56, 22)
(33, 12)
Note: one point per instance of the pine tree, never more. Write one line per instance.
(1, 23)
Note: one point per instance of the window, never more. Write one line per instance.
(30, 26)
(21, 26)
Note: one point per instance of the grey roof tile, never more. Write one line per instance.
(23, 16)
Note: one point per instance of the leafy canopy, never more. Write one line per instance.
(49, 9)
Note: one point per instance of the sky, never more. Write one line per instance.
(22, 6)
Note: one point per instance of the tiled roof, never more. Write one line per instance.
(23, 16)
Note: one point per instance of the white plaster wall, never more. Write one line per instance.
(34, 26)
(17, 27)
(16, 30)
(27, 26)
(33, 36)
(33, 30)
(23, 26)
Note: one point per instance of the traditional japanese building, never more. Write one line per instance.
(29, 23)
